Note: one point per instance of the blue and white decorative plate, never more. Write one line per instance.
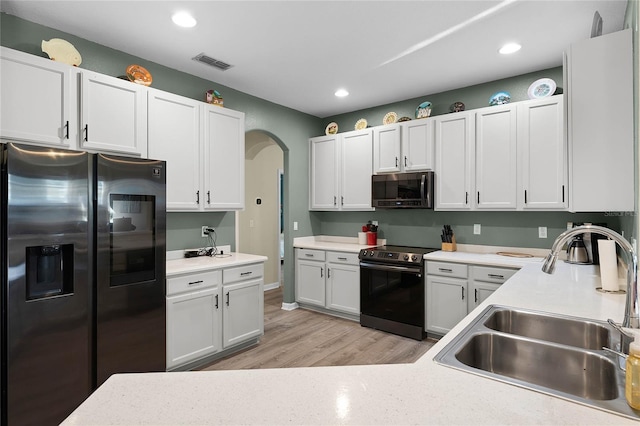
(500, 98)
(423, 110)
(541, 88)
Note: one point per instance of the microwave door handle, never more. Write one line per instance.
(422, 184)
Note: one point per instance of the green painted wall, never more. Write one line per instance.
(291, 129)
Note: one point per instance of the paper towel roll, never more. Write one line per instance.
(362, 238)
(608, 265)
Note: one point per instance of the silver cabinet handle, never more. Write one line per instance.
(342, 201)
(309, 254)
(196, 282)
(216, 301)
(321, 272)
(242, 274)
(328, 272)
(197, 197)
(86, 132)
(445, 270)
(334, 200)
(342, 258)
(462, 292)
(227, 298)
(501, 277)
(405, 161)
(208, 197)
(476, 295)
(66, 134)
(396, 161)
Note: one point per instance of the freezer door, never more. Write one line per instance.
(130, 265)
(45, 283)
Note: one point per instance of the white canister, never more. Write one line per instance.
(608, 265)
(362, 238)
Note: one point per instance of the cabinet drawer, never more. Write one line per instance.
(242, 273)
(491, 274)
(341, 257)
(446, 269)
(310, 254)
(193, 282)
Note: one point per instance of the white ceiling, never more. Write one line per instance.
(297, 53)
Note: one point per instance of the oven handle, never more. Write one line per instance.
(382, 267)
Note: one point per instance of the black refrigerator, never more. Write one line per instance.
(82, 240)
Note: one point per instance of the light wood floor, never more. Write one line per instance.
(303, 338)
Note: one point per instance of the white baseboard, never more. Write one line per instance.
(289, 306)
(271, 286)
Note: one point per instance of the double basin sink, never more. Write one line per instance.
(554, 354)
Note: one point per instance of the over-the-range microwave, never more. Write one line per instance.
(402, 190)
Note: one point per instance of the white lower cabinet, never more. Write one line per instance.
(328, 280)
(455, 289)
(210, 313)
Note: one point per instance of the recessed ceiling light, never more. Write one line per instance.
(509, 48)
(183, 19)
(341, 93)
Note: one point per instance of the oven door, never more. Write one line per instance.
(392, 298)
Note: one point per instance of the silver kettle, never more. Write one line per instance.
(577, 251)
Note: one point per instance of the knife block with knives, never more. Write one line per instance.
(448, 239)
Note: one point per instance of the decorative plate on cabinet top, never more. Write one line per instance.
(139, 75)
(60, 50)
(331, 129)
(423, 110)
(401, 119)
(390, 118)
(361, 124)
(500, 98)
(456, 107)
(541, 88)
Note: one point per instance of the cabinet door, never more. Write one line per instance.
(323, 173)
(454, 136)
(343, 288)
(37, 100)
(356, 170)
(446, 303)
(174, 136)
(478, 292)
(386, 148)
(496, 158)
(310, 282)
(601, 122)
(193, 326)
(243, 312)
(543, 154)
(224, 159)
(418, 146)
(114, 115)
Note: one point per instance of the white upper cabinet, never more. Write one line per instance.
(386, 148)
(323, 173)
(356, 169)
(496, 158)
(340, 171)
(224, 159)
(114, 115)
(174, 136)
(454, 139)
(418, 145)
(600, 116)
(37, 100)
(542, 154)
(404, 147)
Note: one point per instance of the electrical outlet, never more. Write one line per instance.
(542, 232)
(476, 229)
(569, 225)
(204, 230)
(295, 226)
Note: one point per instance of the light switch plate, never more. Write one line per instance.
(295, 226)
(476, 229)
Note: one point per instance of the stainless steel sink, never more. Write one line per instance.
(581, 333)
(554, 354)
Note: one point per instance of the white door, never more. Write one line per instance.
(37, 100)
(418, 145)
(496, 158)
(323, 173)
(446, 303)
(224, 159)
(386, 148)
(310, 282)
(114, 115)
(543, 153)
(356, 170)
(343, 288)
(193, 326)
(454, 137)
(174, 136)
(243, 312)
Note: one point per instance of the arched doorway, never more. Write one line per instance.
(260, 226)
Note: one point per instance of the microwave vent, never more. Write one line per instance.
(213, 62)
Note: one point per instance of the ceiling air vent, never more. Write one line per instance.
(212, 62)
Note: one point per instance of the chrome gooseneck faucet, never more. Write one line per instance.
(632, 307)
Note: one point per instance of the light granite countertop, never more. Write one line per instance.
(420, 393)
(205, 263)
